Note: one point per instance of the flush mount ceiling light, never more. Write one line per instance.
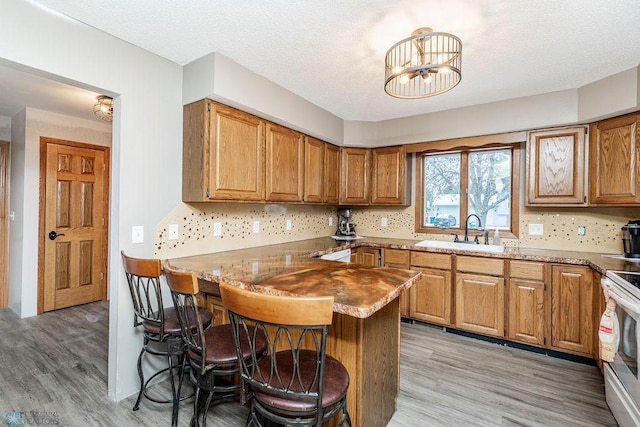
(423, 65)
(103, 108)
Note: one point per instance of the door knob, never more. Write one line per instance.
(53, 235)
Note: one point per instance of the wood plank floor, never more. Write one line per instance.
(56, 365)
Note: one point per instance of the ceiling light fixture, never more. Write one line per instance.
(433, 57)
(103, 108)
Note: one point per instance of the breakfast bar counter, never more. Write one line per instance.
(365, 333)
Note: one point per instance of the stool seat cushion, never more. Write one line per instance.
(171, 324)
(221, 348)
(336, 381)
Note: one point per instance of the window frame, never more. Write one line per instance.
(466, 146)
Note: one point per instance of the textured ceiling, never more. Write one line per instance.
(332, 52)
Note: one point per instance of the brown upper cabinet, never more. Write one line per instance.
(223, 154)
(321, 171)
(355, 176)
(284, 164)
(614, 175)
(375, 176)
(556, 167)
(230, 155)
(389, 182)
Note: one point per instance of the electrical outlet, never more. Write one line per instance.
(254, 268)
(137, 234)
(383, 222)
(288, 225)
(330, 220)
(173, 231)
(217, 229)
(536, 230)
(582, 230)
(256, 226)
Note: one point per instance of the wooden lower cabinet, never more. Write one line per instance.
(527, 312)
(480, 304)
(572, 309)
(399, 258)
(431, 297)
(366, 256)
(214, 303)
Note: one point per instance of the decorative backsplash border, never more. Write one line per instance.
(560, 227)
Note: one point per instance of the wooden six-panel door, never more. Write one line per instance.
(74, 225)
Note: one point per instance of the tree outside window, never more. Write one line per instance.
(484, 176)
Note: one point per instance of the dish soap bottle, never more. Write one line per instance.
(496, 237)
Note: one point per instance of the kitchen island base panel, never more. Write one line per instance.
(370, 350)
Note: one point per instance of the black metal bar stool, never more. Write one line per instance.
(297, 383)
(212, 353)
(160, 327)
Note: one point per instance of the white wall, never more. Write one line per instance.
(25, 162)
(147, 135)
(217, 77)
(5, 128)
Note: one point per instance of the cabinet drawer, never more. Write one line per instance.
(494, 267)
(396, 256)
(527, 270)
(431, 260)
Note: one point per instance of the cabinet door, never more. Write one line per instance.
(236, 153)
(613, 161)
(388, 178)
(355, 176)
(220, 314)
(480, 304)
(313, 170)
(366, 256)
(399, 258)
(556, 167)
(431, 297)
(572, 308)
(284, 164)
(527, 312)
(331, 174)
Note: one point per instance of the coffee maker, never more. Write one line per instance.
(345, 227)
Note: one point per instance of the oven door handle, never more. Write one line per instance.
(619, 298)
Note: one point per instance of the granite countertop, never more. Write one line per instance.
(294, 269)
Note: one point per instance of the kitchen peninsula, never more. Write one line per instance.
(365, 334)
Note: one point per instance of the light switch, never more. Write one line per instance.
(383, 222)
(137, 234)
(173, 231)
(256, 226)
(288, 225)
(217, 229)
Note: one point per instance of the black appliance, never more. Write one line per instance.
(631, 239)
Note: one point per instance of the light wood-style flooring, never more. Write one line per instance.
(56, 365)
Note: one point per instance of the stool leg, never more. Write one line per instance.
(176, 395)
(194, 420)
(141, 375)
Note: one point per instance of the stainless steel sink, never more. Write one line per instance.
(439, 244)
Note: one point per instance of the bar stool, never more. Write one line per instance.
(297, 383)
(160, 327)
(212, 353)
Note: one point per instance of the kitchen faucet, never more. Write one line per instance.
(466, 229)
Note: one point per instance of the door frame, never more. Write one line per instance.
(42, 210)
(4, 227)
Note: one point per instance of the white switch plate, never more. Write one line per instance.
(217, 229)
(536, 230)
(383, 222)
(173, 231)
(256, 226)
(137, 234)
(330, 220)
(582, 230)
(288, 225)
